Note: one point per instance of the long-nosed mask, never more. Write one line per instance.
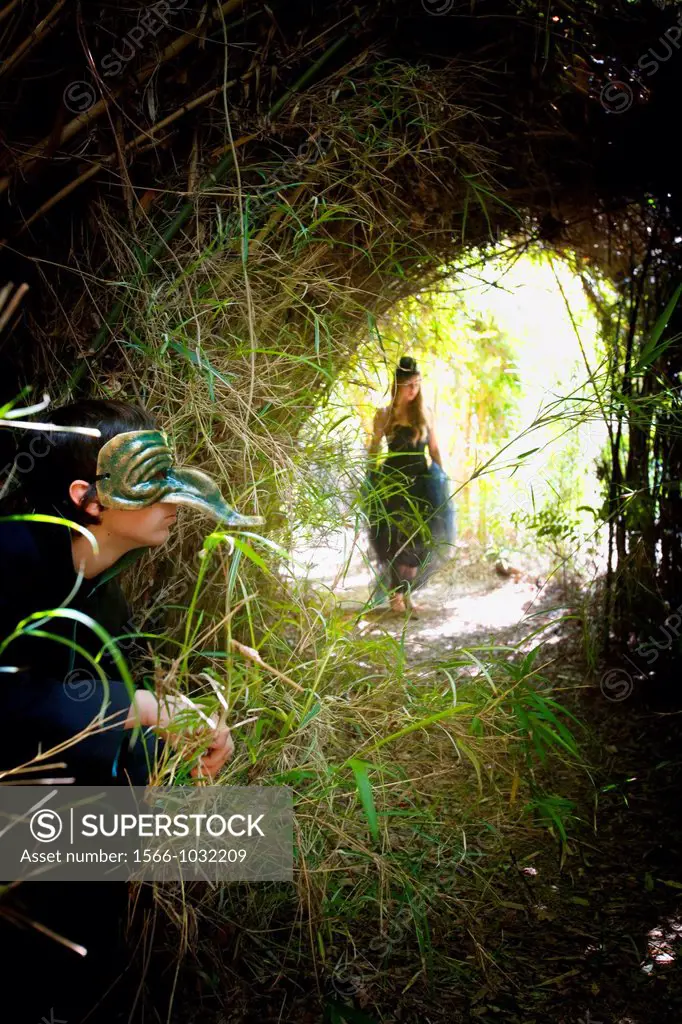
(137, 468)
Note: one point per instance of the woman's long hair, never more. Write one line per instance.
(416, 416)
(47, 462)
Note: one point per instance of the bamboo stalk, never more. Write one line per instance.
(8, 10)
(13, 303)
(254, 656)
(74, 946)
(62, 194)
(37, 35)
(97, 109)
(105, 161)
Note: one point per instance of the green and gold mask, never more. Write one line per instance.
(137, 468)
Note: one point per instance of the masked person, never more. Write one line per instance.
(124, 488)
(409, 509)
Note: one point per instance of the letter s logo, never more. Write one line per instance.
(46, 826)
(79, 97)
(642, 651)
(111, 65)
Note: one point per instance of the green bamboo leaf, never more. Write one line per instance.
(295, 359)
(553, 810)
(468, 752)
(296, 775)
(277, 548)
(248, 551)
(202, 364)
(421, 724)
(314, 711)
(522, 716)
(563, 711)
(38, 517)
(550, 735)
(649, 351)
(537, 743)
(524, 455)
(337, 423)
(364, 787)
(482, 668)
(549, 716)
(245, 231)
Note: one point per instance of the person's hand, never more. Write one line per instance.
(167, 716)
(220, 749)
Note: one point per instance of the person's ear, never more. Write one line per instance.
(77, 489)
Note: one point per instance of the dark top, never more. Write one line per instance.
(405, 454)
(56, 692)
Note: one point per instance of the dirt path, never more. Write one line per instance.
(466, 604)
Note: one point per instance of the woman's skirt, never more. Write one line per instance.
(411, 524)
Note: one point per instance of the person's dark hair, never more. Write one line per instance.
(47, 462)
(406, 368)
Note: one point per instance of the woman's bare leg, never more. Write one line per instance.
(408, 598)
(400, 599)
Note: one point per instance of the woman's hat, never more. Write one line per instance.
(407, 367)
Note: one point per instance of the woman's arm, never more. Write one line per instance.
(377, 432)
(434, 450)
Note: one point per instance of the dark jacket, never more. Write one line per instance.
(56, 693)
